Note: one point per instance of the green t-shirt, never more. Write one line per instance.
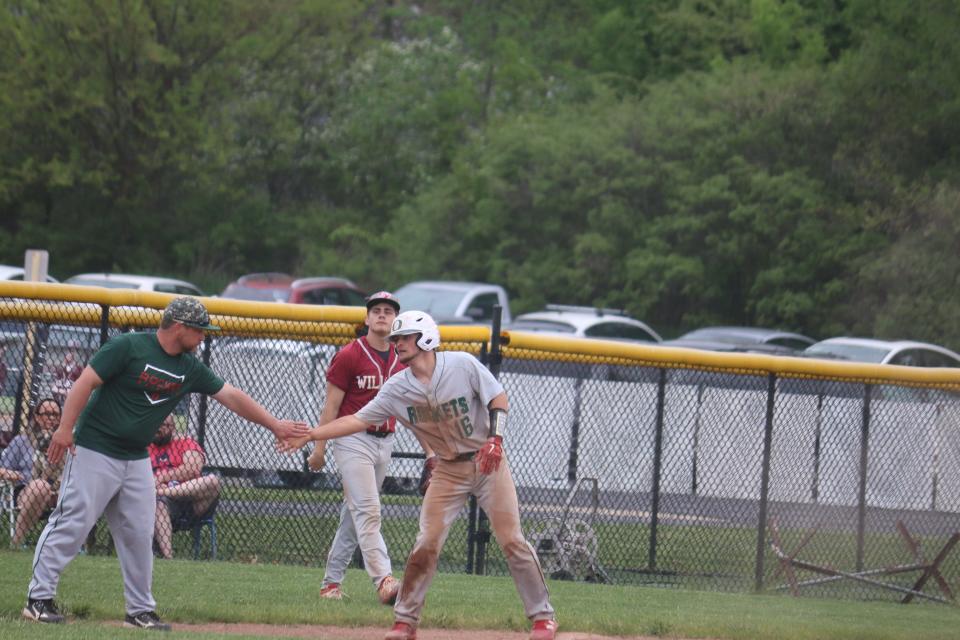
(141, 385)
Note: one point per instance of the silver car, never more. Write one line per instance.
(129, 281)
(586, 322)
(903, 352)
(750, 339)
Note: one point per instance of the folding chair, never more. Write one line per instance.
(190, 522)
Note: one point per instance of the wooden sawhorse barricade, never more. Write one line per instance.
(789, 562)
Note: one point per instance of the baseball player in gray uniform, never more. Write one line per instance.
(131, 384)
(459, 409)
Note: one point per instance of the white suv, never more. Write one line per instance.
(8, 272)
(452, 302)
(127, 281)
(586, 322)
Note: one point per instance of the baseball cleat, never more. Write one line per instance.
(42, 611)
(146, 620)
(401, 631)
(544, 630)
(388, 590)
(331, 591)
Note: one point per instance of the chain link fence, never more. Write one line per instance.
(633, 464)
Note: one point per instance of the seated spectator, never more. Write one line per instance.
(24, 463)
(177, 463)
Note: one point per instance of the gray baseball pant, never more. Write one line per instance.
(363, 461)
(496, 494)
(95, 484)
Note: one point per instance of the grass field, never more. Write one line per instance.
(91, 593)
(690, 557)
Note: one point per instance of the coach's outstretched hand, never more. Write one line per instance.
(291, 429)
(295, 443)
(489, 457)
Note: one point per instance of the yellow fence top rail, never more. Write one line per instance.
(530, 345)
(238, 317)
(305, 321)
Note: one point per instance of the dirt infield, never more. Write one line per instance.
(377, 633)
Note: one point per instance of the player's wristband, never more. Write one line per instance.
(498, 423)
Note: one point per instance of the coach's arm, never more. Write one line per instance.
(246, 407)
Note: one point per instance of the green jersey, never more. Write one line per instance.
(141, 385)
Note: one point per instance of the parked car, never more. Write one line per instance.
(585, 322)
(453, 302)
(902, 352)
(9, 272)
(129, 281)
(752, 339)
(282, 287)
(61, 353)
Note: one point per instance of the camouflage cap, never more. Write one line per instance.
(189, 311)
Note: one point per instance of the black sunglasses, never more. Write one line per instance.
(44, 414)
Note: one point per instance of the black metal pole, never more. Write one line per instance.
(765, 482)
(694, 473)
(574, 454)
(862, 493)
(482, 533)
(104, 324)
(496, 356)
(657, 462)
(202, 413)
(818, 433)
(471, 533)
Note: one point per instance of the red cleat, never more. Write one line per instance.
(331, 592)
(388, 590)
(401, 631)
(544, 630)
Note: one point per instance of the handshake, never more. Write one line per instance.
(291, 442)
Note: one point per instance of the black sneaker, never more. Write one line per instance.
(42, 611)
(146, 620)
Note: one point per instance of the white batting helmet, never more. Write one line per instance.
(417, 322)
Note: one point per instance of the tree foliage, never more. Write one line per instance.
(773, 162)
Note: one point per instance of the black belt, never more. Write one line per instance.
(464, 457)
(379, 434)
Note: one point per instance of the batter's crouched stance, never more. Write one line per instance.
(458, 408)
(132, 383)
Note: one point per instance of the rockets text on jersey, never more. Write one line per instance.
(454, 411)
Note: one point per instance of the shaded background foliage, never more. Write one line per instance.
(773, 162)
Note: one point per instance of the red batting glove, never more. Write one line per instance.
(489, 457)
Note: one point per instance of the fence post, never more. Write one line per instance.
(574, 454)
(694, 472)
(104, 324)
(471, 532)
(937, 444)
(202, 413)
(482, 533)
(818, 433)
(862, 492)
(765, 482)
(657, 461)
